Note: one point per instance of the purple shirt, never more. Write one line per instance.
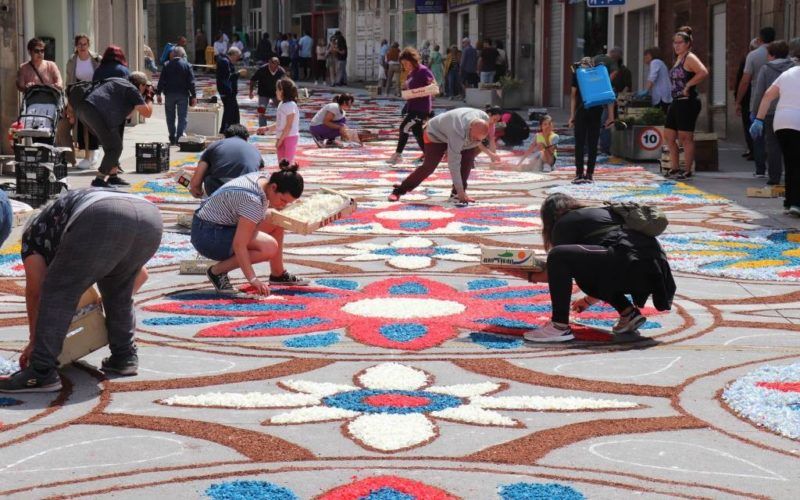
(421, 77)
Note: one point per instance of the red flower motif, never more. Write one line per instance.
(364, 487)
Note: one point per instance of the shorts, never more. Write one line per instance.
(212, 241)
(682, 114)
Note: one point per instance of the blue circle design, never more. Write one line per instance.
(387, 493)
(410, 288)
(354, 401)
(9, 401)
(536, 491)
(247, 490)
(490, 341)
(337, 283)
(250, 307)
(183, 320)
(403, 332)
(486, 283)
(415, 225)
(318, 340)
(283, 323)
(508, 323)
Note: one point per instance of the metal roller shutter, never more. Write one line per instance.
(493, 21)
(554, 54)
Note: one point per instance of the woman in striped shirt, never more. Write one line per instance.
(232, 225)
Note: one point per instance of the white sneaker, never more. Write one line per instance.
(85, 164)
(549, 333)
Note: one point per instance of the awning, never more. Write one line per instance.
(226, 3)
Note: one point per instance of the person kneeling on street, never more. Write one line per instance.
(607, 261)
(104, 110)
(232, 227)
(224, 161)
(84, 237)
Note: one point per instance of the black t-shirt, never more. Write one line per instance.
(115, 98)
(266, 81)
(573, 228)
(489, 59)
(228, 159)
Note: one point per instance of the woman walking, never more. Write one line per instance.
(418, 110)
(686, 74)
(586, 122)
(321, 53)
(80, 68)
(437, 67)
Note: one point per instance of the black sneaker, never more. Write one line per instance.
(98, 182)
(29, 380)
(121, 365)
(577, 180)
(287, 278)
(319, 141)
(116, 180)
(220, 281)
(629, 323)
(684, 176)
(588, 180)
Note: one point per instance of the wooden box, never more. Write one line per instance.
(514, 258)
(347, 207)
(766, 192)
(430, 90)
(87, 332)
(196, 266)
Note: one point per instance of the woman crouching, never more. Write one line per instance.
(232, 227)
(607, 261)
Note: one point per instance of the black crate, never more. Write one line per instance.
(152, 157)
(38, 153)
(191, 147)
(38, 171)
(36, 194)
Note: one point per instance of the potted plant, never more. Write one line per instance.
(511, 92)
(639, 136)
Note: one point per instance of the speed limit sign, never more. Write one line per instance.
(650, 138)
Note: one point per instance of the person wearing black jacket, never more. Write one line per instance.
(227, 85)
(177, 83)
(605, 259)
(266, 79)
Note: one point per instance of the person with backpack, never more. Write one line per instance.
(586, 122)
(103, 107)
(606, 258)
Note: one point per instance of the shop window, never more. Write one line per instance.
(409, 28)
(590, 28)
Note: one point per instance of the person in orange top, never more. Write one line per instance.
(37, 71)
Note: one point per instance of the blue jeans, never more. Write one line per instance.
(487, 76)
(6, 217)
(173, 102)
(212, 241)
(454, 83)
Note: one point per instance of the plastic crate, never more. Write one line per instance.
(39, 171)
(152, 157)
(36, 194)
(39, 153)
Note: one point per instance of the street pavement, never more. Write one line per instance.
(401, 370)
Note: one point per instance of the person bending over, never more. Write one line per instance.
(224, 161)
(458, 133)
(84, 237)
(330, 122)
(232, 227)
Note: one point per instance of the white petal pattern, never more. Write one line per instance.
(465, 390)
(319, 389)
(393, 376)
(410, 262)
(312, 414)
(549, 403)
(243, 400)
(470, 414)
(321, 251)
(412, 242)
(387, 432)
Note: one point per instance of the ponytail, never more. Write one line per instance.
(344, 99)
(287, 179)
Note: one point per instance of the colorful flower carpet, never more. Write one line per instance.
(401, 372)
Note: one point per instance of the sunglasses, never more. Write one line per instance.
(38, 51)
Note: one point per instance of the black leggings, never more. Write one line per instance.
(790, 145)
(581, 263)
(413, 121)
(587, 132)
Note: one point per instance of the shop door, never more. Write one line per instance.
(365, 47)
(493, 22)
(554, 67)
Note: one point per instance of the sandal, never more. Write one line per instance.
(672, 173)
(684, 175)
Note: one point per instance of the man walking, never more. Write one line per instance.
(306, 44)
(469, 65)
(227, 83)
(265, 78)
(177, 83)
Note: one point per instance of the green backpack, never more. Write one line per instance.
(645, 219)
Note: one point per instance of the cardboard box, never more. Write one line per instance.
(196, 266)
(87, 332)
(514, 258)
(766, 192)
(347, 207)
(430, 90)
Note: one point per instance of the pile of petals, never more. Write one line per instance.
(316, 207)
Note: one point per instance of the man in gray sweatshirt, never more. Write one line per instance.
(777, 62)
(458, 133)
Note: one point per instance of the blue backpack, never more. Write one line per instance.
(595, 86)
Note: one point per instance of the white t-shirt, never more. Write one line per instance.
(284, 110)
(334, 108)
(84, 71)
(220, 48)
(787, 114)
(285, 48)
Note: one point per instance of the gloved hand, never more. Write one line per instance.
(757, 129)
(640, 94)
(752, 117)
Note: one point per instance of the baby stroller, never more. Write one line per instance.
(42, 108)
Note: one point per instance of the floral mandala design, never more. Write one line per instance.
(668, 193)
(389, 176)
(163, 191)
(420, 218)
(409, 313)
(394, 407)
(407, 253)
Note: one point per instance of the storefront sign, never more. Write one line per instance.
(649, 138)
(431, 7)
(604, 3)
(454, 4)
